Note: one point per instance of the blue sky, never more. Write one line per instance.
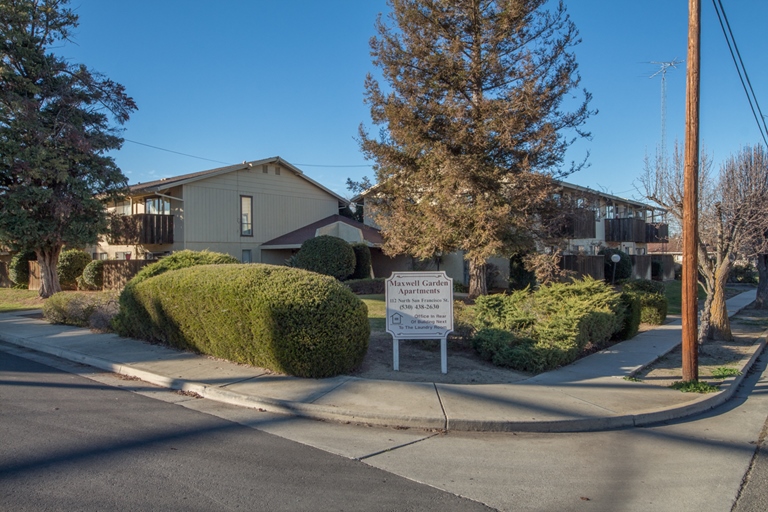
(234, 80)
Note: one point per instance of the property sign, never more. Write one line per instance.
(419, 306)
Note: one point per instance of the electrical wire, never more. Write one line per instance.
(227, 163)
(737, 60)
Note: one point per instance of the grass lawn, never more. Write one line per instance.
(674, 293)
(13, 300)
(376, 311)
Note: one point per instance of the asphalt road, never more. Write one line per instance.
(71, 443)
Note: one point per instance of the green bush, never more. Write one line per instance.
(362, 261)
(76, 308)
(182, 259)
(551, 326)
(71, 264)
(18, 268)
(743, 274)
(327, 255)
(653, 308)
(644, 286)
(631, 319)
(93, 274)
(366, 286)
(281, 318)
(520, 277)
(623, 267)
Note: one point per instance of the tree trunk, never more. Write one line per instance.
(720, 325)
(48, 259)
(477, 284)
(761, 301)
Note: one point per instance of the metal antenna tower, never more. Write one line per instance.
(663, 72)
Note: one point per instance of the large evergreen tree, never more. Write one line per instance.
(473, 123)
(55, 132)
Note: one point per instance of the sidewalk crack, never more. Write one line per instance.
(385, 450)
(442, 407)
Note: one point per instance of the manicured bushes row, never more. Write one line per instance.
(550, 327)
(281, 318)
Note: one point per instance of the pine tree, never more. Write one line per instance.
(54, 135)
(473, 124)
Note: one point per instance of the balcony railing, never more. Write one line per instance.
(142, 229)
(656, 233)
(581, 224)
(625, 230)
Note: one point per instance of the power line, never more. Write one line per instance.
(740, 68)
(226, 163)
(176, 152)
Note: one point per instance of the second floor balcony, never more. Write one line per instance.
(141, 229)
(625, 230)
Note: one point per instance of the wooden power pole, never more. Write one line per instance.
(691, 197)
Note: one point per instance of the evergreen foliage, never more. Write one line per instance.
(327, 255)
(472, 124)
(362, 261)
(285, 319)
(18, 268)
(93, 274)
(623, 267)
(71, 265)
(182, 259)
(650, 295)
(74, 308)
(55, 137)
(548, 328)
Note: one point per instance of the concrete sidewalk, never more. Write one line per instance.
(590, 394)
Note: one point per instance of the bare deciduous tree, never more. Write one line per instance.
(733, 220)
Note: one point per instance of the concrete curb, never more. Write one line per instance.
(444, 423)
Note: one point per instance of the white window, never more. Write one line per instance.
(246, 216)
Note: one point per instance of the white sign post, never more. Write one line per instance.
(419, 306)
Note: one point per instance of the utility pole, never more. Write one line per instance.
(691, 197)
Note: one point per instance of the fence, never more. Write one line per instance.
(641, 266)
(119, 272)
(34, 275)
(584, 265)
(5, 281)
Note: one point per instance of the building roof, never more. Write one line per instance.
(294, 239)
(166, 183)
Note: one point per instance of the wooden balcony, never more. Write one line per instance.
(581, 224)
(656, 233)
(625, 230)
(141, 229)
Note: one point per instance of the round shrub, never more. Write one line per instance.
(362, 261)
(327, 255)
(653, 308)
(632, 314)
(623, 267)
(70, 266)
(76, 308)
(644, 286)
(281, 318)
(18, 268)
(93, 274)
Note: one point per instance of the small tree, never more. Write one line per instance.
(733, 220)
(55, 134)
(472, 124)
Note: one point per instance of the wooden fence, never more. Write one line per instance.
(5, 281)
(641, 266)
(584, 265)
(119, 272)
(116, 273)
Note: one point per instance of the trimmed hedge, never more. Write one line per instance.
(182, 259)
(548, 328)
(362, 261)
(70, 266)
(366, 286)
(327, 255)
(281, 318)
(653, 302)
(632, 314)
(93, 274)
(18, 268)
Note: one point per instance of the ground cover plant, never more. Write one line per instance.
(81, 309)
(548, 328)
(280, 318)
